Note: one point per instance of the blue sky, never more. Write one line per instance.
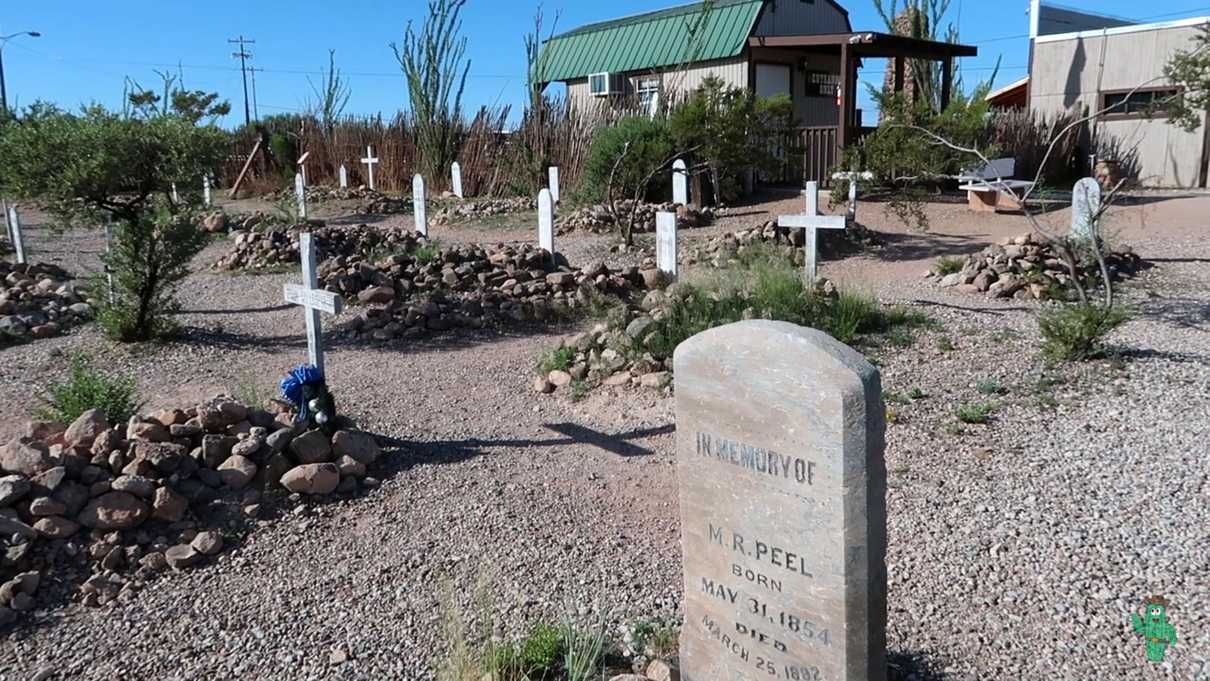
(87, 48)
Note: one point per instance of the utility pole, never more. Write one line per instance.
(244, 56)
(255, 108)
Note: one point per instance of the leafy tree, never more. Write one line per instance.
(623, 164)
(730, 129)
(1190, 71)
(174, 100)
(332, 98)
(431, 58)
(97, 164)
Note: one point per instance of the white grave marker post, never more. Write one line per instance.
(344, 177)
(680, 183)
(852, 177)
(812, 221)
(176, 198)
(456, 179)
(300, 191)
(665, 243)
(302, 166)
(1085, 205)
(14, 222)
(554, 183)
(546, 221)
(419, 209)
(108, 269)
(313, 300)
(8, 225)
(369, 161)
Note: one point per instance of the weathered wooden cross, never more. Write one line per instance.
(546, 221)
(680, 183)
(811, 222)
(456, 179)
(852, 177)
(206, 190)
(369, 162)
(300, 192)
(302, 165)
(419, 207)
(313, 300)
(344, 177)
(554, 183)
(665, 243)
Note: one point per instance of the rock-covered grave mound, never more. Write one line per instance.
(136, 498)
(39, 300)
(1026, 267)
(598, 219)
(277, 247)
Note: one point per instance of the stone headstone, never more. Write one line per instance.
(300, 193)
(15, 236)
(344, 177)
(1085, 209)
(554, 183)
(456, 179)
(419, 209)
(546, 221)
(370, 160)
(680, 183)
(665, 243)
(783, 506)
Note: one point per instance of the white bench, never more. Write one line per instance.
(986, 186)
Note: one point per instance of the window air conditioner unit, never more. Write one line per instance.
(604, 84)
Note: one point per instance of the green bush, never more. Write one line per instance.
(974, 413)
(949, 264)
(558, 359)
(149, 258)
(645, 143)
(88, 388)
(285, 154)
(542, 651)
(1076, 332)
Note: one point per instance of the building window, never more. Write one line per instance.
(649, 95)
(1147, 103)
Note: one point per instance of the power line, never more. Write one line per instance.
(244, 56)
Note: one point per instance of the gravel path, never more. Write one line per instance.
(1017, 548)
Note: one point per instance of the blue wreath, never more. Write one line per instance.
(292, 387)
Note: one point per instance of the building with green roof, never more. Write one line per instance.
(802, 48)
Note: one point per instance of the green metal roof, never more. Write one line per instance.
(647, 41)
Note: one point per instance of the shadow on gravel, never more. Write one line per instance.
(1189, 313)
(913, 666)
(994, 311)
(403, 454)
(242, 310)
(1167, 356)
(919, 246)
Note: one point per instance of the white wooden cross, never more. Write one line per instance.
(812, 221)
(554, 183)
(14, 226)
(852, 177)
(176, 198)
(665, 242)
(369, 161)
(546, 221)
(302, 165)
(313, 300)
(109, 270)
(300, 192)
(680, 183)
(456, 179)
(419, 209)
(344, 177)
(206, 190)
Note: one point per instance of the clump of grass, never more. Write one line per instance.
(917, 394)
(583, 651)
(991, 386)
(1077, 332)
(949, 264)
(974, 414)
(427, 252)
(894, 398)
(87, 388)
(558, 359)
(579, 389)
(944, 344)
(542, 651)
(248, 391)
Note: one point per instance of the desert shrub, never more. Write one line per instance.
(990, 386)
(1076, 332)
(949, 264)
(558, 359)
(637, 146)
(583, 651)
(1026, 136)
(150, 257)
(542, 651)
(427, 253)
(87, 388)
(974, 413)
(285, 154)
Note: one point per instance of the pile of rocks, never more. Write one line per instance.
(597, 219)
(144, 496)
(381, 204)
(603, 356)
(466, 211)
(1026, 267)
(721, 251)
(421, 290)
(218, 222)
(38, 301)
(278, 247)
(321, 194)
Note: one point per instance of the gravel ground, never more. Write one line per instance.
(1017, 548)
